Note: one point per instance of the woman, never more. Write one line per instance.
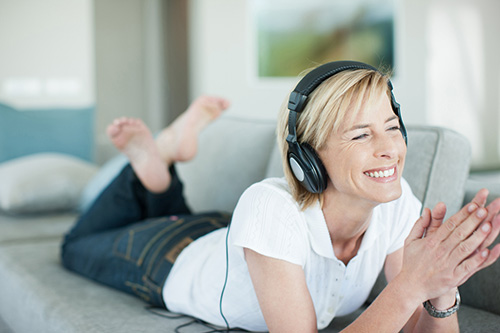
(300, 251)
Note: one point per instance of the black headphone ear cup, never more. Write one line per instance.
(307, 167)
(397, 110)
(319, 175)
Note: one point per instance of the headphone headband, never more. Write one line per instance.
(315, 77)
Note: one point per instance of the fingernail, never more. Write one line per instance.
(472, 207)
(481, 213)
(485, 227)
(484, 254)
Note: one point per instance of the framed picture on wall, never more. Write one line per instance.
(291, 36)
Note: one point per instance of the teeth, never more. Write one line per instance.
(381, 174)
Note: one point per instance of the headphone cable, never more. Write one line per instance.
(225, 279)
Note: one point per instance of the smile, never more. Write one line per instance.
(381, 174)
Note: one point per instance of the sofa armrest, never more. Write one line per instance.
(473, 185)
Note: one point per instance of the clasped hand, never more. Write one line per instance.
(441, 256)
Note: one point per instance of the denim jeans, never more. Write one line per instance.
(129, 238)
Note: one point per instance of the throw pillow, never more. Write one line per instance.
(43, 182)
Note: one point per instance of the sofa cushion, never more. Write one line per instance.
(437, 166)
(44, 297)
(14, 230)
(481, 290)
(233, 154)
(475, 183)
(275, 166)
(472, 320)
(63, 130)
(4, 328)
(43, 182)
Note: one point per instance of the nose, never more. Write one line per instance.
(386, 145)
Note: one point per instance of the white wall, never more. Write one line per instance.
(463, 76)
(447, 71)
(46, 53)
(221, 58)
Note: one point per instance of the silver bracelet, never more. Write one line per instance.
(443, 313)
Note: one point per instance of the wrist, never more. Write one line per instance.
(438, 313)
(408, 290)
(445, 301)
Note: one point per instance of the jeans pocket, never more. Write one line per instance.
(136, 242)
(152, 246)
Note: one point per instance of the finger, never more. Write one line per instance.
(481, 197)
(467, 247)
(494, 219)
(456, 220)
(491, 257)
(419, 227)
(495, 253)
(437, 218)
(493, 209)
(472, 265)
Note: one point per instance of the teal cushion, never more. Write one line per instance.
(63, 130)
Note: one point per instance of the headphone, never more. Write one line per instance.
(302, 158)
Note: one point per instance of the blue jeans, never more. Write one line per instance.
(129, 238)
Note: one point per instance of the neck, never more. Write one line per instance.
(347, 220)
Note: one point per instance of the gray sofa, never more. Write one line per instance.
(39, 295)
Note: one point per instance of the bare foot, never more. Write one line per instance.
(134, 139)
(179, 141)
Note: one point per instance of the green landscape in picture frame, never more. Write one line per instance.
(295, 35)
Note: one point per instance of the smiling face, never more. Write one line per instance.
(340, 101)
(365, 157)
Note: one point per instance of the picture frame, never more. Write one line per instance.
(292, 36)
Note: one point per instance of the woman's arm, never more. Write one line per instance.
(282, 293)
(427, 323)
(428, 268)
(431, 268)
(287, 305)
(420, 320)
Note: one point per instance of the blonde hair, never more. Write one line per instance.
(327, 107)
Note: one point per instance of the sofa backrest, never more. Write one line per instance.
(437, 166)
(235, 153)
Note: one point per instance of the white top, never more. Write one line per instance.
(268, 220)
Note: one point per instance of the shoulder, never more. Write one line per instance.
(270, 196)
(269, 221)
(273, 187)
(269, 199)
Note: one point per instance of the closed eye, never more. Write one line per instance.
(359, 137)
